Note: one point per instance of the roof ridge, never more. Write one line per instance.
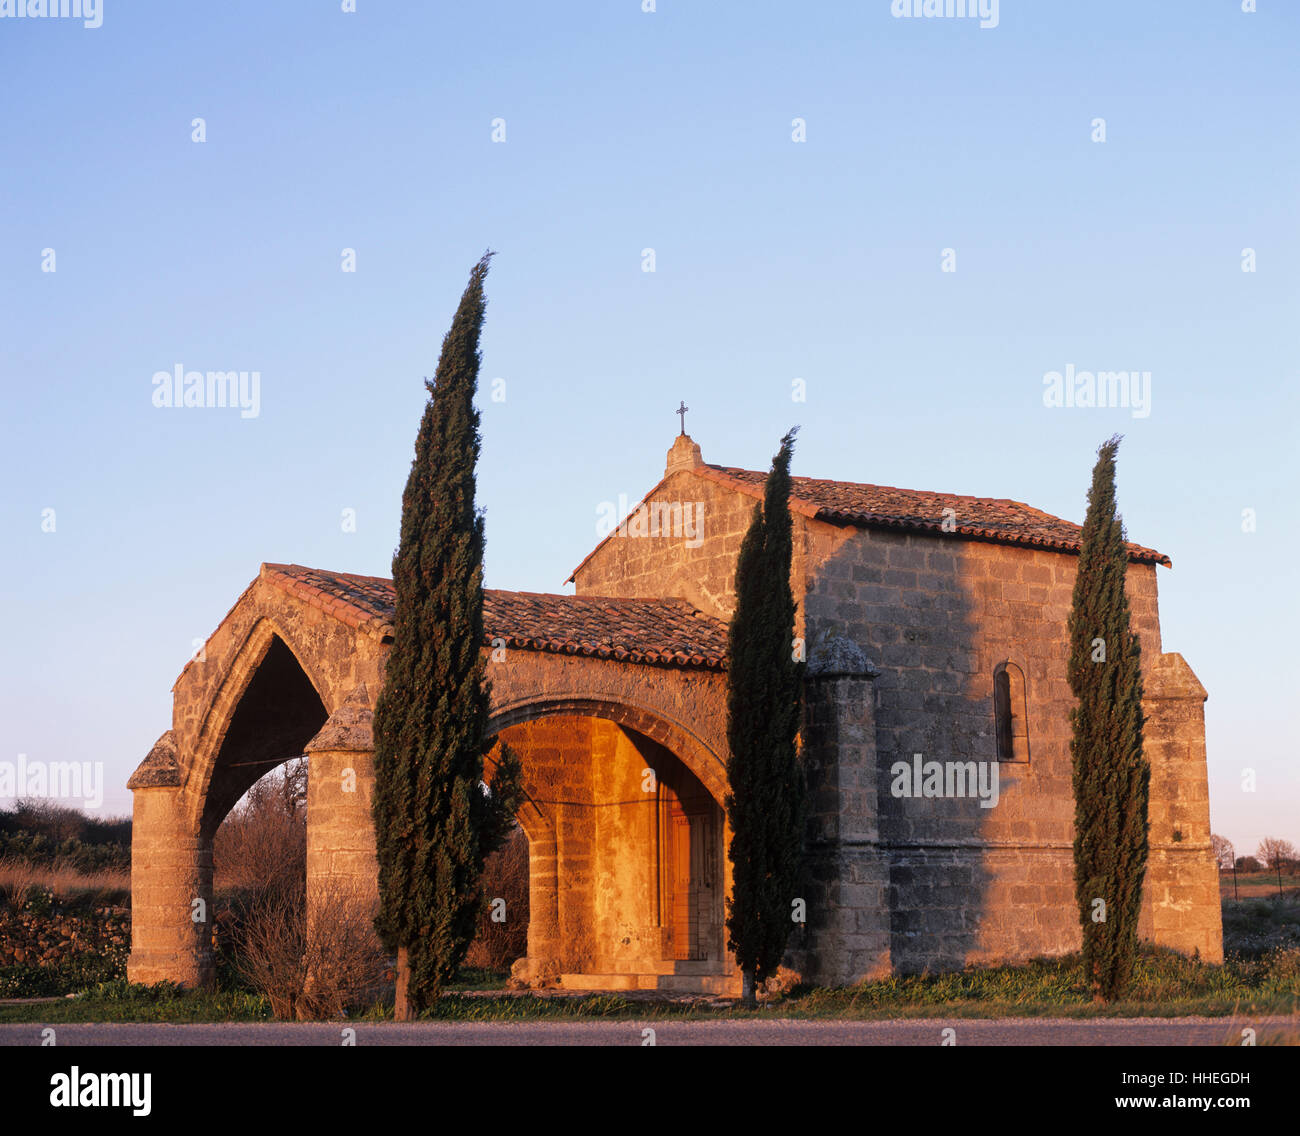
(292, 570)
(1001, 530)
(284, 569)
(899, 489)
(650, 630)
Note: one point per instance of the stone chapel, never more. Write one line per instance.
(935, 634)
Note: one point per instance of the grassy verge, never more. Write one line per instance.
(1166, 985)
(1260, 977)
(122, 1001)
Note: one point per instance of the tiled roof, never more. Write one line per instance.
(668, 632)
(883, 506)
(664, 632)
(358, 601)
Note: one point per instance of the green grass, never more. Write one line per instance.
(1166, 985)
(479, 978)
(69, 975)
(122, 1001)
(1261, 976)
(1254, 885)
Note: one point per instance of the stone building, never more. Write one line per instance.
(936, 739)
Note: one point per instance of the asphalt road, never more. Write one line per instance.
(977, 1032)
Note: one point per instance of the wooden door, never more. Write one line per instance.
(687, 876)
(685, 922)
(682, 863)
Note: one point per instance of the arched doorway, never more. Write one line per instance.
(627, 855)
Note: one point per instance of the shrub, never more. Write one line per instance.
(318, 967)
(261, 846)
(40, 901)
(305, 969)
(41, 832)
(505, 875)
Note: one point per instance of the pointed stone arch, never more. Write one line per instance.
(224, 765)
(694, 751)
(317, 643)
(180, 796)
(601, 912)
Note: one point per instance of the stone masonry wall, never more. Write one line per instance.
(937, 614)
(661, 566)
(972, 884)
(555, 755)
(623, 893)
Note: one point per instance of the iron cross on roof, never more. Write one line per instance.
(682, 411)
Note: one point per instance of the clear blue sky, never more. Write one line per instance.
(774, 260)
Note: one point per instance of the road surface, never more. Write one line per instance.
(976, 1032)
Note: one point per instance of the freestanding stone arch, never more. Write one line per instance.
(273, 652)
(294, 667)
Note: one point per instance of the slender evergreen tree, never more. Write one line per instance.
(765, 801)
(434, 822)
(1111, 775)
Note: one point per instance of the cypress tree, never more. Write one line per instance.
(1111, 775)
(765, 801)
(434, 822)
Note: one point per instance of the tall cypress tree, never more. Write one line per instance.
(1111, 775)
(434, 824)
(765, 801)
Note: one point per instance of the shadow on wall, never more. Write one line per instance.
(632, 881)
(978, 851)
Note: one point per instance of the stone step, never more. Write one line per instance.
(669, 983)
(682, 966)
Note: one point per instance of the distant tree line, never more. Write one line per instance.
(42, 832)
(1273, 855)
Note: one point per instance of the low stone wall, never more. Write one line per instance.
(29, 939)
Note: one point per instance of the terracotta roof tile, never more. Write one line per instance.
(663, 632)
(884, 506)
(359, 601)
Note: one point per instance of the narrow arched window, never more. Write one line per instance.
(1010, 716)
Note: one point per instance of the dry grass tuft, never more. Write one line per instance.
(18, 879)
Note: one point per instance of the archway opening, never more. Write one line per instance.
(276, 717)
(253, 829)
(626, 858)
